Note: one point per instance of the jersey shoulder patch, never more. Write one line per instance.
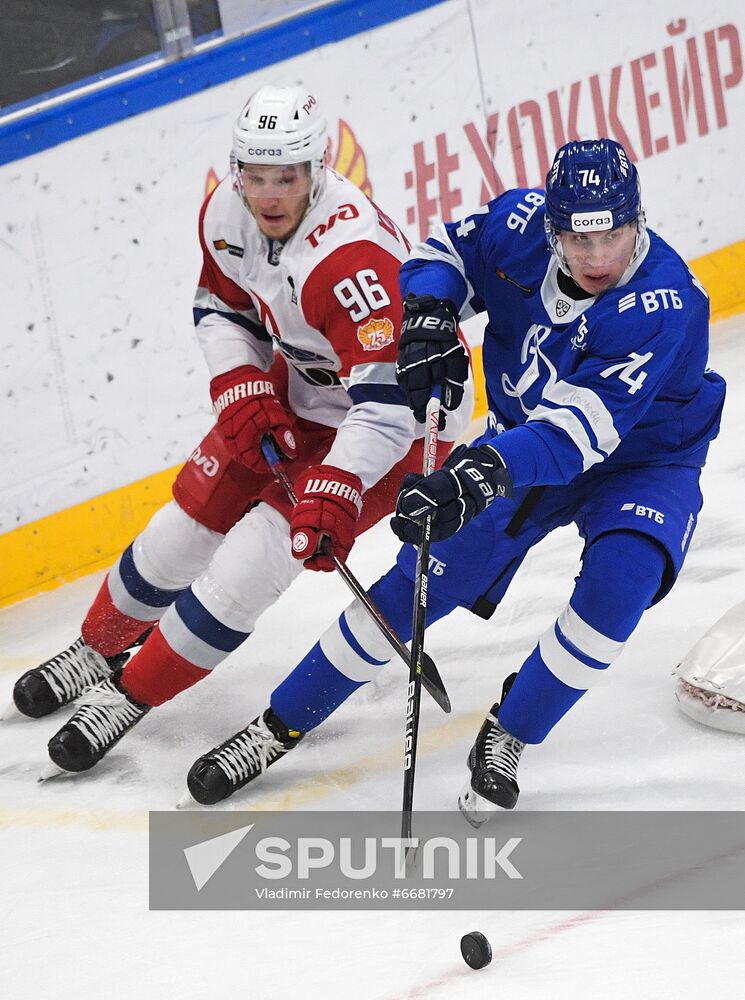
(662, 289)
(343, 215)
(650, 300)
(352, 296)
(509, 230)
(224, 228)
(517, 209)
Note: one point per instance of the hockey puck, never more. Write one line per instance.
(475, 949)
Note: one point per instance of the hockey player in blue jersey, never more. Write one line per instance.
(601, 410)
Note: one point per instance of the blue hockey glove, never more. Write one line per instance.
(466, 484)
(430, 354)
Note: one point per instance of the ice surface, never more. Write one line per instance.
(73, 852)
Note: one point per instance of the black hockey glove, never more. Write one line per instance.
(466, 484)
(430, 354)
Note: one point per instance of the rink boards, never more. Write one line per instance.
(104, 386)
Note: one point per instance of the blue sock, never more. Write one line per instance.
(620, 577)
(339, 663)
(537, 700)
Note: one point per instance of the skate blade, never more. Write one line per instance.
(186, 801)
(11, 712)
(475, 808)
(50, 770)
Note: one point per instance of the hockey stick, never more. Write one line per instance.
(419, 622)
(430, 675)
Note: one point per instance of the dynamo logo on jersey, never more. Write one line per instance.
(579, 340)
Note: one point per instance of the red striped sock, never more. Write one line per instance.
(106, 629)
(157, 673)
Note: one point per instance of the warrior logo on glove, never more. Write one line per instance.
(248, 410)
(324, 519)
(300, 543)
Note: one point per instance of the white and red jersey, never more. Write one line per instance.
(328, 299)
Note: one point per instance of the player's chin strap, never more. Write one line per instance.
(430, 675)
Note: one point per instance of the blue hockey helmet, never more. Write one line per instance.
(592, 186)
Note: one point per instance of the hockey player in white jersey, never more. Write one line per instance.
(298, 315)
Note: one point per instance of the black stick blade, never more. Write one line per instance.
(433, 685)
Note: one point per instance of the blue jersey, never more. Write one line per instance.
(619, 379)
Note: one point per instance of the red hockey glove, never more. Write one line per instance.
(323, 520)
(247, 410)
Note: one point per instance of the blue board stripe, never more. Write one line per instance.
(165, 84)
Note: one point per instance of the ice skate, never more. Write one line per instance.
(493, 763)
(221, 772)
(105, 714)
(61, 679)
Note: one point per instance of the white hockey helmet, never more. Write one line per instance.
(280, 126)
